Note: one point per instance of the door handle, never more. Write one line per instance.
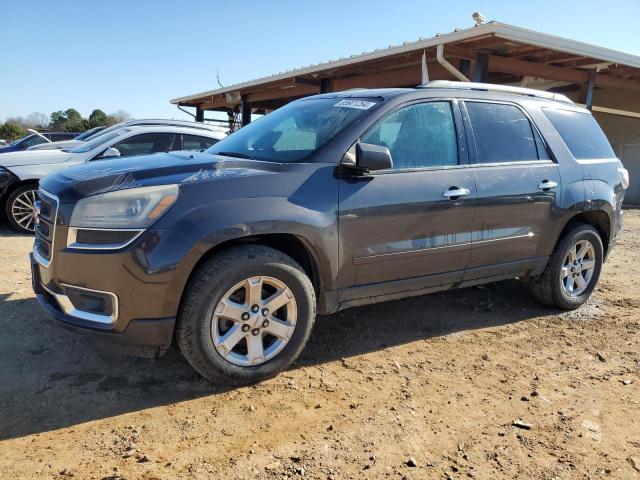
(547, 185)
(455, 192)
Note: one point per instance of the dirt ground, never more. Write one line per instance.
(428, 387)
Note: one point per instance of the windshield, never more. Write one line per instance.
(97, 141)
(89, 133)
(294, 132)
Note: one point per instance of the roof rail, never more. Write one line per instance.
(490, 87)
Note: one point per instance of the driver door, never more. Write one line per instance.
(405, 229)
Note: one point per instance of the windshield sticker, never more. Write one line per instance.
(359, 104)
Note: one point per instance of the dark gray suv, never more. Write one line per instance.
(332, 201)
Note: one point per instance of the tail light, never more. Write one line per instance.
(624, 176)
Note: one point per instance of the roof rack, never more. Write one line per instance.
(489, 87)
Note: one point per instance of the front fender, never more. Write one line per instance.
(302, 204)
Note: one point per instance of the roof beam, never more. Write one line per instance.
(403, 77)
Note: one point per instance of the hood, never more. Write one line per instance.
(71, 184)
(34, 157)
(55, 145)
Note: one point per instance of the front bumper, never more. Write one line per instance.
(141, 285)
(142, 337)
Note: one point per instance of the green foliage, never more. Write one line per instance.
(69, 120)
(97, 118)
(10, 132)
(57, 120)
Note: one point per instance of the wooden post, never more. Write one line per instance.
(482, 64)
(590, 85)
(325, 85)
(199, 114)
(246, 112)
(465, 67)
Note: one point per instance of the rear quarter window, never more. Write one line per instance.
(581, 133)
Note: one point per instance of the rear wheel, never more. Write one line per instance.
(573, 269)
(246, 315)
(21, 207)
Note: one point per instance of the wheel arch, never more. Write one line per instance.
(598, 219)
(296, 247)
(20, 183)
(12, 187)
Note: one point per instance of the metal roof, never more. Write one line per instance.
(502, 30)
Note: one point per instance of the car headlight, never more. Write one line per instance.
(132, 208)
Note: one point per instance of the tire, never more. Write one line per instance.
(550, 287)
(198, 328)
(16, 208)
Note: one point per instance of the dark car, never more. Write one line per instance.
(37, 139)
(332, 201)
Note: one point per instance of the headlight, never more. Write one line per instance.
(132, 208)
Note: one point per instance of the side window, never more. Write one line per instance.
(420, 135)
(145, 144)
(31, 141)
(502, 133)
(581, 133)
(194, 142)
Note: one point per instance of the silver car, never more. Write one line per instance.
(20, 172)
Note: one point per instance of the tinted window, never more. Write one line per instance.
(422, 135)
(194, 142)
(31, 141)
(89, 145)
(145, 144)
(502, 133)
(581, 133)
(294, 132)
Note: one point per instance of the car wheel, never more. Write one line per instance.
(247, 313)
(573, 269)
(20, 208)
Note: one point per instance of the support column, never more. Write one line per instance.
(325, 85)
(465, 67)
(590, 84)
(199, 114)
(482, 64)
(246, 112)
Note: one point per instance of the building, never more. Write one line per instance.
(605, 80)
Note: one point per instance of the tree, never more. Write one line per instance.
(117, 117)
(57, 120)
(97, 118)
(21, 122)
(10, 131)
(72, 115)
(37, 120)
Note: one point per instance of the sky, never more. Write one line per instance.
(136, 55)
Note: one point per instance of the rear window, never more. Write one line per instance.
(502, 133)
(581, 133)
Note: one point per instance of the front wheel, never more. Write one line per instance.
(21, 207)
(247, 314)
(573, 269)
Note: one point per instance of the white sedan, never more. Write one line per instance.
(20, 172)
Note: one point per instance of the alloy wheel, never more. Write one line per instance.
(23, 210)
(577, 268)
(254, 321)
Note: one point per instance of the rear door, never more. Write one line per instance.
(408, 228)
(517, 187)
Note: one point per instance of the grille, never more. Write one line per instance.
(104, 237)
(43, 248)
(44, 230)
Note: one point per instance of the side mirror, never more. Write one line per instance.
(371, 157)
(110, 153)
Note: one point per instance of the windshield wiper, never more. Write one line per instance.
(236, 155)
